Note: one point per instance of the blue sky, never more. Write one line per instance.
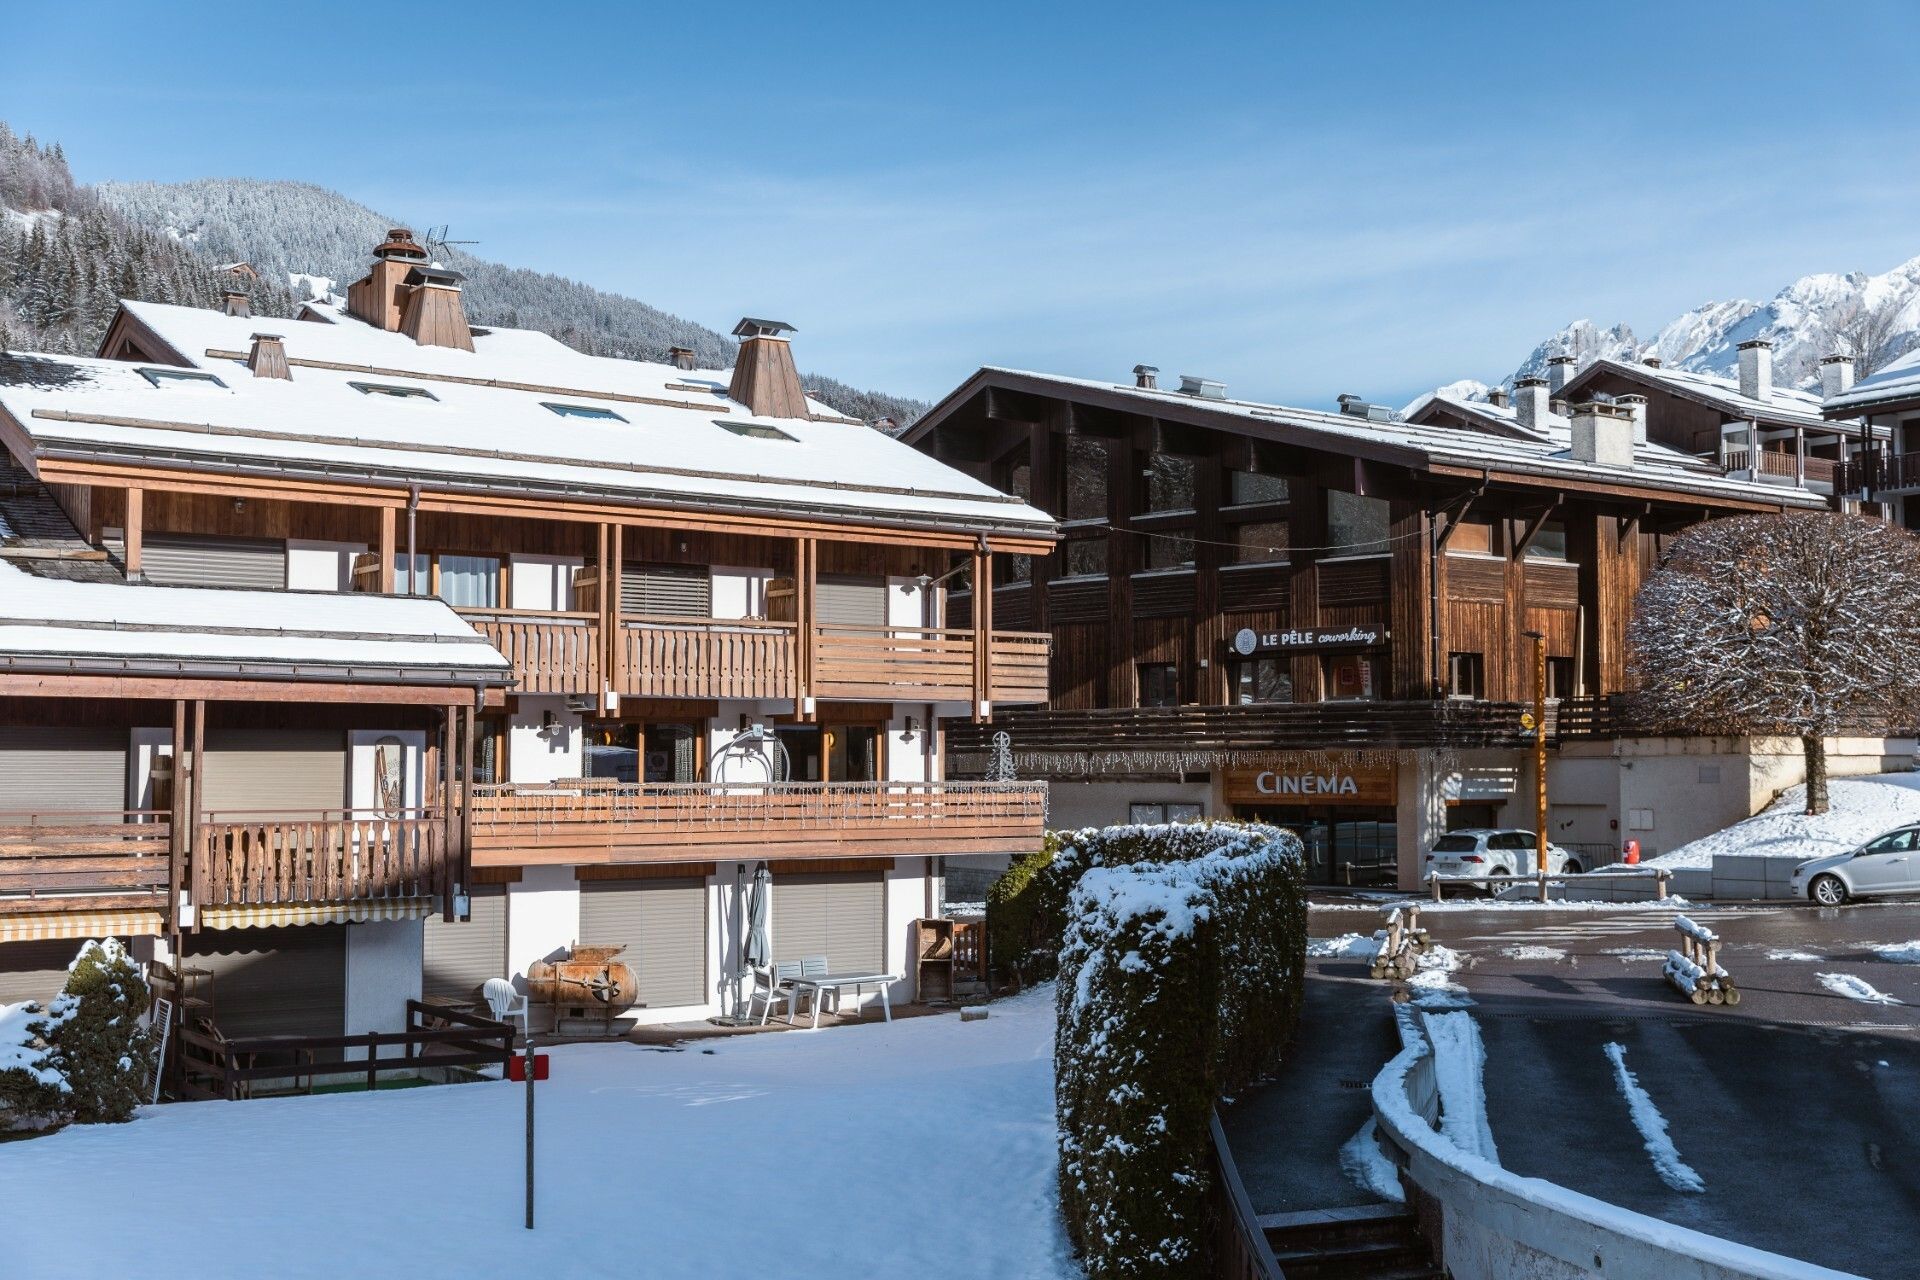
(1299, 199)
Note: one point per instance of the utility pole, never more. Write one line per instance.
(1539, 758)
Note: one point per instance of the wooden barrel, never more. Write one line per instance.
(590, 977)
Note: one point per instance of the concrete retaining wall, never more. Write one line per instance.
(1494, 1225)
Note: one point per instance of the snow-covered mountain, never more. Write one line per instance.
(1876, 318)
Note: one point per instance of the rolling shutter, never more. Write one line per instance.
(35, 970)
(853, 602)
(175, 560)
(662, 924)
(62, 770)
(263, 771)
(275, 982)
(840, 915)
(669, 590)
(459, 957)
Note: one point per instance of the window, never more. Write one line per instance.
(1245, 487)
(754, 430)
(1020, 482)
(161, 377)
(1086, 495)
(1898, 842)
(1550, 543)
(1086, 557)
(1153, 814)
(393, 390)
(1170, 482)
(1472, 537)
(471, 582)
(1170, 551)
(1457, 844)
(1260, 542)
(1560, 678)
(1252, 680)
(1467, 675)
(1356, 526)
(1159, 684)
(1019, 568)
(1516, 841)
(594, 412)
(1349, 677)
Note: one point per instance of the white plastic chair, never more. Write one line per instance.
(770, 988)
(506, 1003)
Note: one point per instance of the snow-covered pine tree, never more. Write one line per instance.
(102, 1048)
(1791, 624)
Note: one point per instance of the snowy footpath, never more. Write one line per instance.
(924, 1148)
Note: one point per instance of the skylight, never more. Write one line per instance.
(392, 389)
(583, 411)
(160, 377)
(754, 430)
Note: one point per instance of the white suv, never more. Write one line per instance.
(1505, 852)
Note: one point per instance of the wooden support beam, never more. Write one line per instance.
(196, 754)
(1532, 528)
(982, 633)
(465, 863)
(177, 846)
(450, 826)
(616, 570)
(386, 554)
(132, 529)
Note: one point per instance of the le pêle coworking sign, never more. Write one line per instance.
(1364, 635)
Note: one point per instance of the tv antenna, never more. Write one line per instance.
(437, 238)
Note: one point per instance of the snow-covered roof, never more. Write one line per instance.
(1408, 443)
(47, 625)
(1788, 406)
(1900, 380)
(676, 439)
(1557, 430)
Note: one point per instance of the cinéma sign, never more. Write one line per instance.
(1356, 636)
(1335, 782)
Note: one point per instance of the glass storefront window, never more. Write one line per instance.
(1252, 680)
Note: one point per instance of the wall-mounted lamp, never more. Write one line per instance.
(549, 724)
(239, 505)
(913, 727)
(927, 581)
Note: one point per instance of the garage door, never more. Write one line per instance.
(55, 770)
(662, 924)
(35, 970)
(841, 916)
(275, 982)
(177, 560)
(274, 771)
(459, 957)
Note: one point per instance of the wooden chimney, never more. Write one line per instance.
(377, 299)
(268, 359)
(430, 310)
(764, 377)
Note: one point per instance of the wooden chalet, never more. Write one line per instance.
(1884, 473)
(1317, 618)
(715, 606)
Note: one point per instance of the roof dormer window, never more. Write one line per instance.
(160, 377)
(593, 412)
(755, 430)
(395, 390)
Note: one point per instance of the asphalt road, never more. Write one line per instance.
(1799, 1110)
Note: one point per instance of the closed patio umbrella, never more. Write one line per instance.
(758, 952)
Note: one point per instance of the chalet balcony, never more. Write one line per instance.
(592, 821)
(109, 864)
(1779, 466)
(678, 657)
(1884, 474)
(242, 862)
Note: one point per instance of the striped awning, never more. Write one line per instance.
(55, 925)
(264, 916)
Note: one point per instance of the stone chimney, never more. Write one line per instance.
(764, 377)
(268, 359)
(1836, 375)
(236, 303)
(1497, 397)
(1637, 406)
(1559, 373)
(1558, 407)
(1651, 361)
(430, 309)
(377, 299)
(1146, 377)
(1756, 369)
(1530, 401)
(680, 357)
(1603, 434)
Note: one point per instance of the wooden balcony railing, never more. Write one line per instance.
(242, 859)
(1781, 464)
(937, 663)
(1883, 473)
(550, 652)
(707, 658)
(1020, 666)
(591, 820)
(107, 861)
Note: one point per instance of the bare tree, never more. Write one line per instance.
(1872, 336)
(1793, 624)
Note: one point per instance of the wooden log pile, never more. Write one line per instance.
(1695, 970)
(1402, 943)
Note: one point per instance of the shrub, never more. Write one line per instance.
(1026, 912)
(33, 1090)
(102, 1047)
(1180, 978)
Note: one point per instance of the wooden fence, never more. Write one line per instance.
(1241, 1251)
(550, 652)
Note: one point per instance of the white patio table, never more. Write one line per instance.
(859, 980)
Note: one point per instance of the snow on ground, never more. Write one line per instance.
(1529, 951)
(1859, 809)
(1793, 955)
(1367, 1166)
(1432, 986)
(1628, 955)
(1384, 903)
(1845, 984)
(1673, 1171)
(1350, 946)
(316, 286)
(1460, 1059)
(1900, 952)
(923, 1148)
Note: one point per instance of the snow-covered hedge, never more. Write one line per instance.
(84, 1056)
(1026, 912)
(1180, 980)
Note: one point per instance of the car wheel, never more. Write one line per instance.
(1828, 891)
(1495, 873)
(1570, 868)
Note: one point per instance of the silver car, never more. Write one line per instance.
(1884, 864)
(1508, 851)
